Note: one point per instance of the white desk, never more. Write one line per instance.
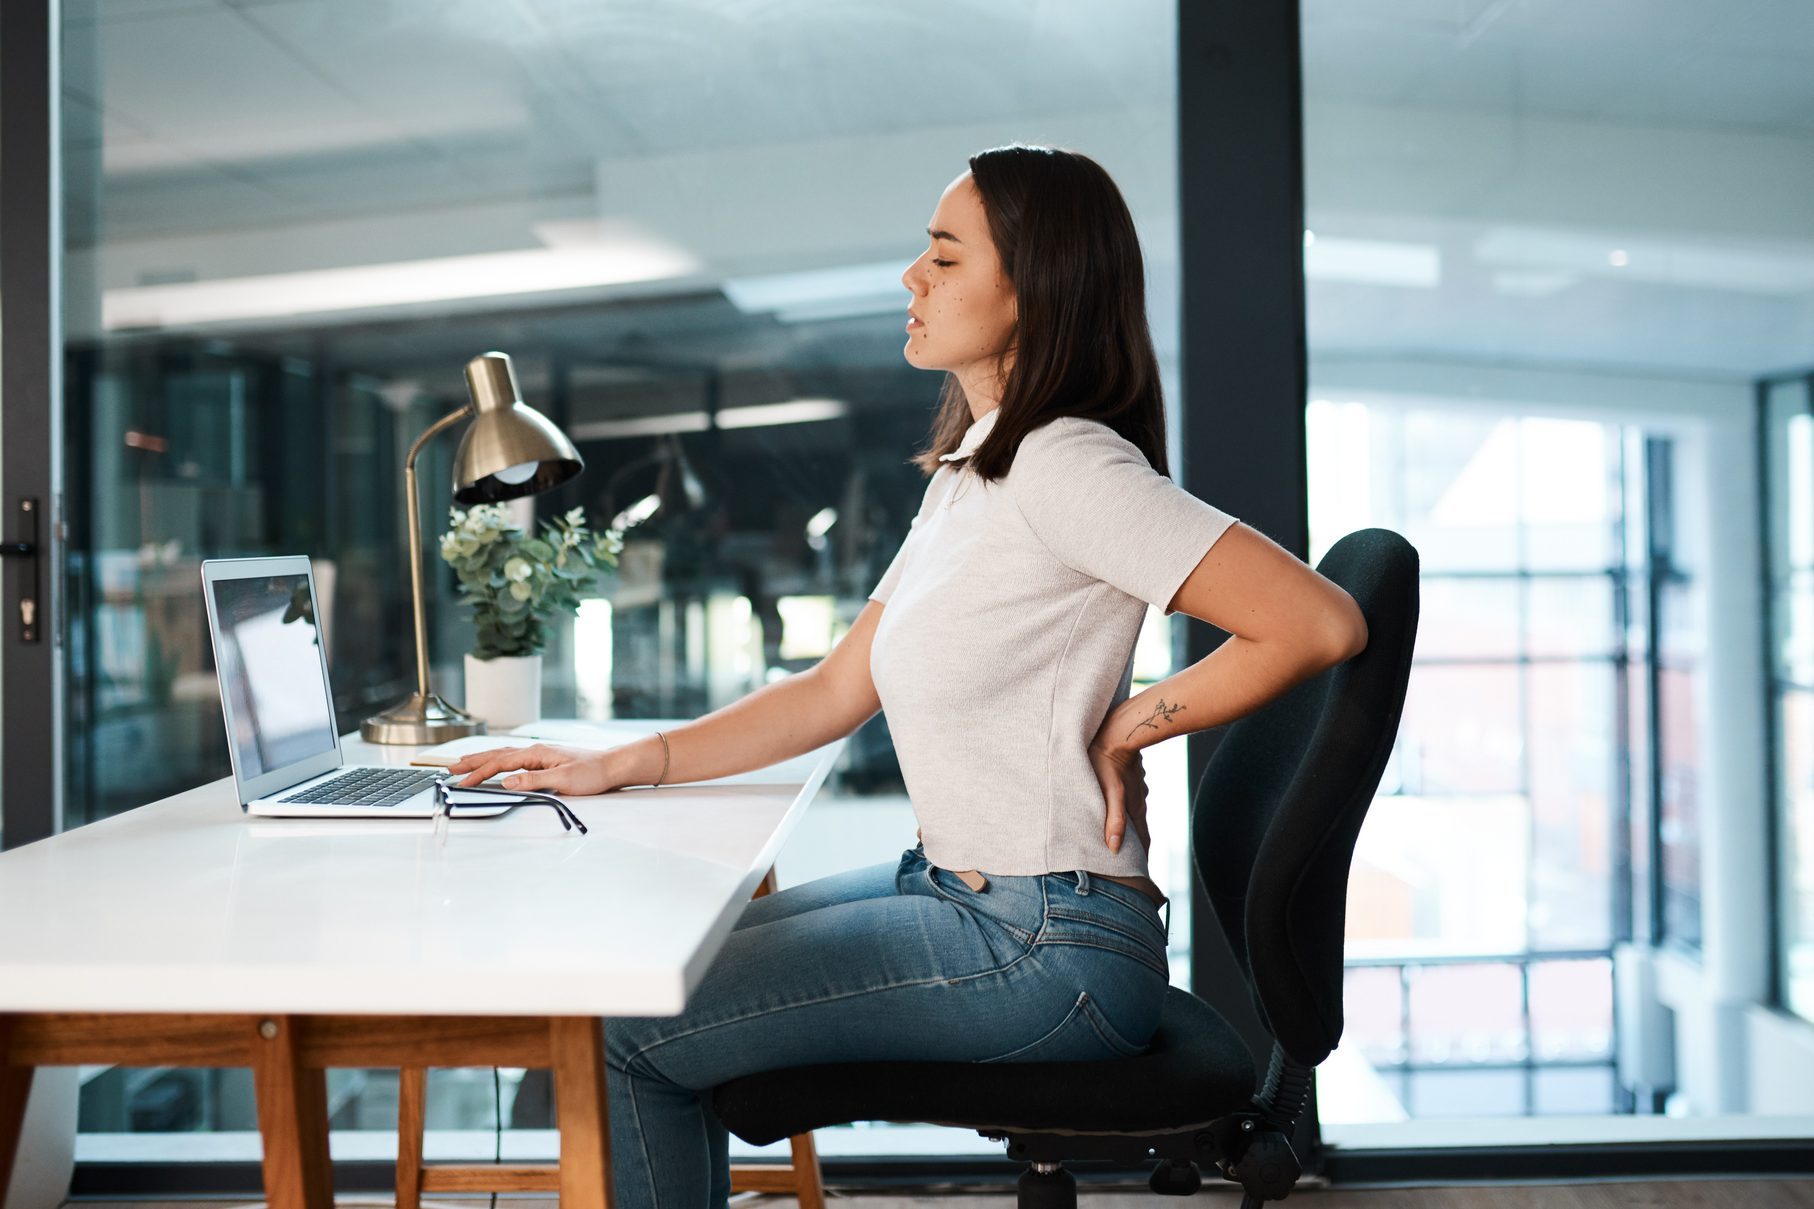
(184, 933)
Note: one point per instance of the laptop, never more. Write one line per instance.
(278, 705)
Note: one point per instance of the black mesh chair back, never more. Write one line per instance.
(1276, 815)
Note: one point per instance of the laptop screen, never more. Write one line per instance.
(271, 672)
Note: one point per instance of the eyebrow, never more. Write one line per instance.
(943, 235)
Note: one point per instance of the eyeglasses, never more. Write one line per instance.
(508, 800)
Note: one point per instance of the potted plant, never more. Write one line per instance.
(515, 585)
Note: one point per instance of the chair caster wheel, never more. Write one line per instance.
(1054, 1188)
(1176, 1177)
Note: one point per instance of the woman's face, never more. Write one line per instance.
(962, 314)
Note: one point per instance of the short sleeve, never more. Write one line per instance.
(892, 576)
(1088, 493)
(898, 567)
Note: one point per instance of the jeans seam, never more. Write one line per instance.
(1103, 923)
(1157, 968)
(1111, 1038)
(642, 1137)
(1077, 1006)
(893, 986)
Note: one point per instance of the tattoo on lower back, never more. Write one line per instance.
(1161, 712)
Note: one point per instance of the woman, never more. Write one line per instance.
(1024, 926)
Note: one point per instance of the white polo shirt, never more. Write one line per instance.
(1012, 611)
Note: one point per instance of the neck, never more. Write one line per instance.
(982, 382)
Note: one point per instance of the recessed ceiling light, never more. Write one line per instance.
(370, 287)
(1617, 258)
(749, 415)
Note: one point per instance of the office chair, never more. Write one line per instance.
(1273, 826)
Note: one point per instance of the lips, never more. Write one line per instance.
(913, 320)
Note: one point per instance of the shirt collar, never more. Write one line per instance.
(973, 436)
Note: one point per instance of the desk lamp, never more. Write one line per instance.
(511, 450)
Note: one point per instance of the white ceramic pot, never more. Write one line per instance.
(506, 691)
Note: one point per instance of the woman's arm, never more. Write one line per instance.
(775, 722)
(1286, 624)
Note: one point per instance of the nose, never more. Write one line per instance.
(913, 277)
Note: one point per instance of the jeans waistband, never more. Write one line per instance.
(1030, 893)
(1123, 894)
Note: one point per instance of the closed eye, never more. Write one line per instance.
(944, 264)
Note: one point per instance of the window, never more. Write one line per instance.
(1485, 895)
(1548, 259)
(289, 227)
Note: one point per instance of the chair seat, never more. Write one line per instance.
(1196, 1069)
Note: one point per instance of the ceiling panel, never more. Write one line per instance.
(1683, 62)
(428, 78)
(212, 83)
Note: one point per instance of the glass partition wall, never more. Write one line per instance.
(1557, 276)
(289, 225)
(1787, 409)
(1552, 251)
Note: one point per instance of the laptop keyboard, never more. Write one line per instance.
(367, 787)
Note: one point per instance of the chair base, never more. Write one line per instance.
(1243, 1147)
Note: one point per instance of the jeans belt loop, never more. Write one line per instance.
(1083, 882)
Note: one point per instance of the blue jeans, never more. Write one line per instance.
(888, 963)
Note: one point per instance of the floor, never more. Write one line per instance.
(1614, 1194)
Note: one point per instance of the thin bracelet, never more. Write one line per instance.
(664, 760)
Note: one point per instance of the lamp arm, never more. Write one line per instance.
(618, 474)
(413, 510)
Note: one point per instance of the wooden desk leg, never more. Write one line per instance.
(292, 1118)
(412, 1117)
(809, 1184)
(578, 1046)
(15, 1090)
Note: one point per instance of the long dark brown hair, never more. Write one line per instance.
(1082, 347)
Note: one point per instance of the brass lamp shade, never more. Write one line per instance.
(510, 449)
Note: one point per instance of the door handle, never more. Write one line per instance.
(27, 549)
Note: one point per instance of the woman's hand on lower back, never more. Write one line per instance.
(1123, 781)
(576, 771)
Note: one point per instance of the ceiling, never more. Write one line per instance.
(1734, 65)
(279, 110)
(1475, 168)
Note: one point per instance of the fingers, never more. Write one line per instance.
(475, 758)
(579, 774)
(483, 765)
(1117, 820)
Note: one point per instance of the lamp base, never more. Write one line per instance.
(419, 721)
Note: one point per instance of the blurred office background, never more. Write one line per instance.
(1560, 284)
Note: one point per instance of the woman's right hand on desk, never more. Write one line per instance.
(576, 771)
